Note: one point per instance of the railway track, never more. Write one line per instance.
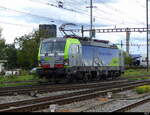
(7, 91)
(46, 87)
(11, 82)
(43, 103)
(131, 106)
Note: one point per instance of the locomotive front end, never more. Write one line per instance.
(51, 56)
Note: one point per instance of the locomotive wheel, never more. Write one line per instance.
(70, 78)
(54, 80)
(86, 77)
(73, 78)
(67, 78)
(104, 77)
(113, 75)
(98, 77)
(79, 76)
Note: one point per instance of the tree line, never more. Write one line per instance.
(22, 53)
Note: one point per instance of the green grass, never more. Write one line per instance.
(135, 72)
(134, 79)
(143, 89)
(4, 79)
(138, 78)
(27, 77)
(16, 84)
(18, 78)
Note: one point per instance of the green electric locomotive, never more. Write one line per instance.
(74, 58)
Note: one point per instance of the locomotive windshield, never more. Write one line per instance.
(51, 47)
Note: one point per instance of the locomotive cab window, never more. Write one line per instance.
(59, 47)
(51, 47)
(46, 47)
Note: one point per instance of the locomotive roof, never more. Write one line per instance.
(101, 43)
(53, 39)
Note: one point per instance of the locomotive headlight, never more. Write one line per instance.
(66, 62)
(39, 63)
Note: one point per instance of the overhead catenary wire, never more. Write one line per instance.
(27, 13)
(116, 11)
(96, 16)
(14, 24)
(141, 4)
(31, 14)
(76, 11)
(53, 5)
(74, 4)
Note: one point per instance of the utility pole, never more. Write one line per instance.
(91, 32)
(128, 41)
(121, 44)
(91, 19)
(82, 31)
(147, 34)
(91, 16)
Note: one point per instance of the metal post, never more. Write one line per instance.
(91, 16)
(147, 34)
(82, 31)
(128, 42)
(121, 44)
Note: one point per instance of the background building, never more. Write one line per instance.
(2, 63)
(48, 31)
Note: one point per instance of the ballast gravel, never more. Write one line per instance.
(59, 93)
(142, 108)
(95, 105)
(92, 105)
(9, 99)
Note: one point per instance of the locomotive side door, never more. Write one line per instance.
(78, 55)
(75, 55)
(72, 55)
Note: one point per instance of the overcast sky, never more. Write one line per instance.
(19, 17)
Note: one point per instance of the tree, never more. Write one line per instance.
(0, 33)
(8, 52)
(2, 46)
(27, 51)
(128, 59)
(11, 53)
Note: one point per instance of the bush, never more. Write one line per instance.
(134, 79)
(143, 89)
(136, 72)
(24, 72)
